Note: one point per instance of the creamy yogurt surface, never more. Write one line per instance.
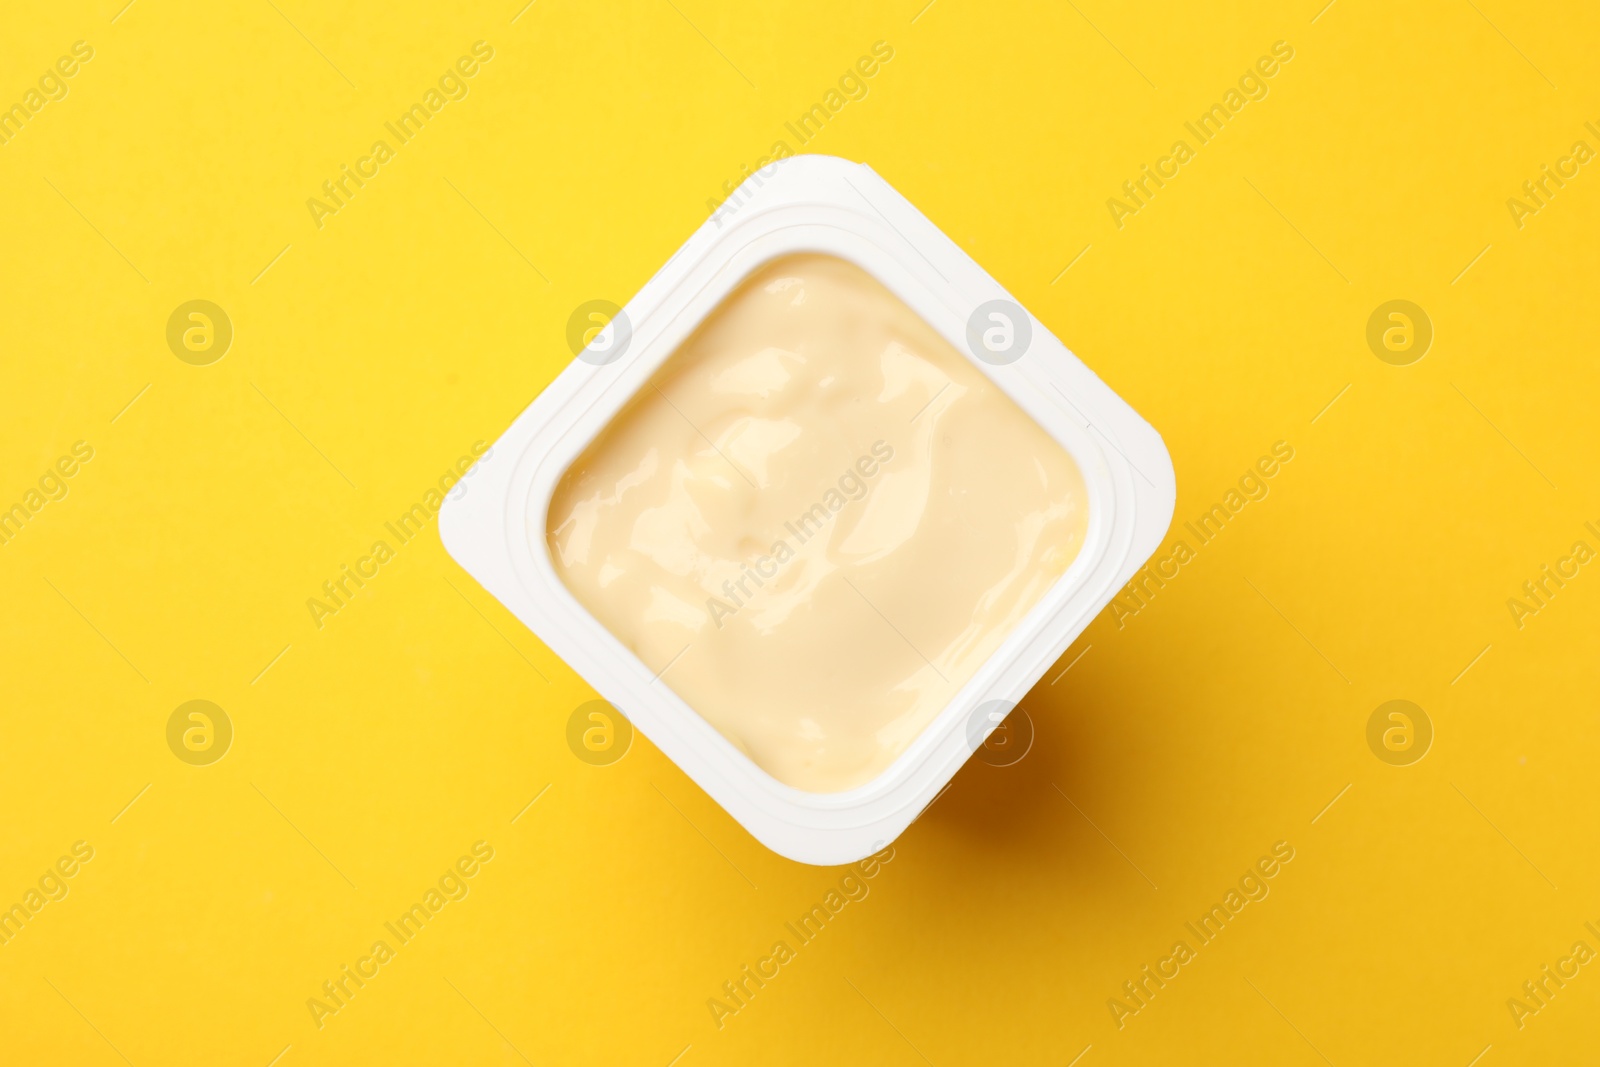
(817, 521)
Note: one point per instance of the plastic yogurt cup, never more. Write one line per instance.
(816, 508)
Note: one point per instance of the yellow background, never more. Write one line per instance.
(422, 718)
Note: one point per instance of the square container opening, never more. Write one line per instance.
(817, 520)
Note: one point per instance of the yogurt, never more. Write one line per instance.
(816, 521)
